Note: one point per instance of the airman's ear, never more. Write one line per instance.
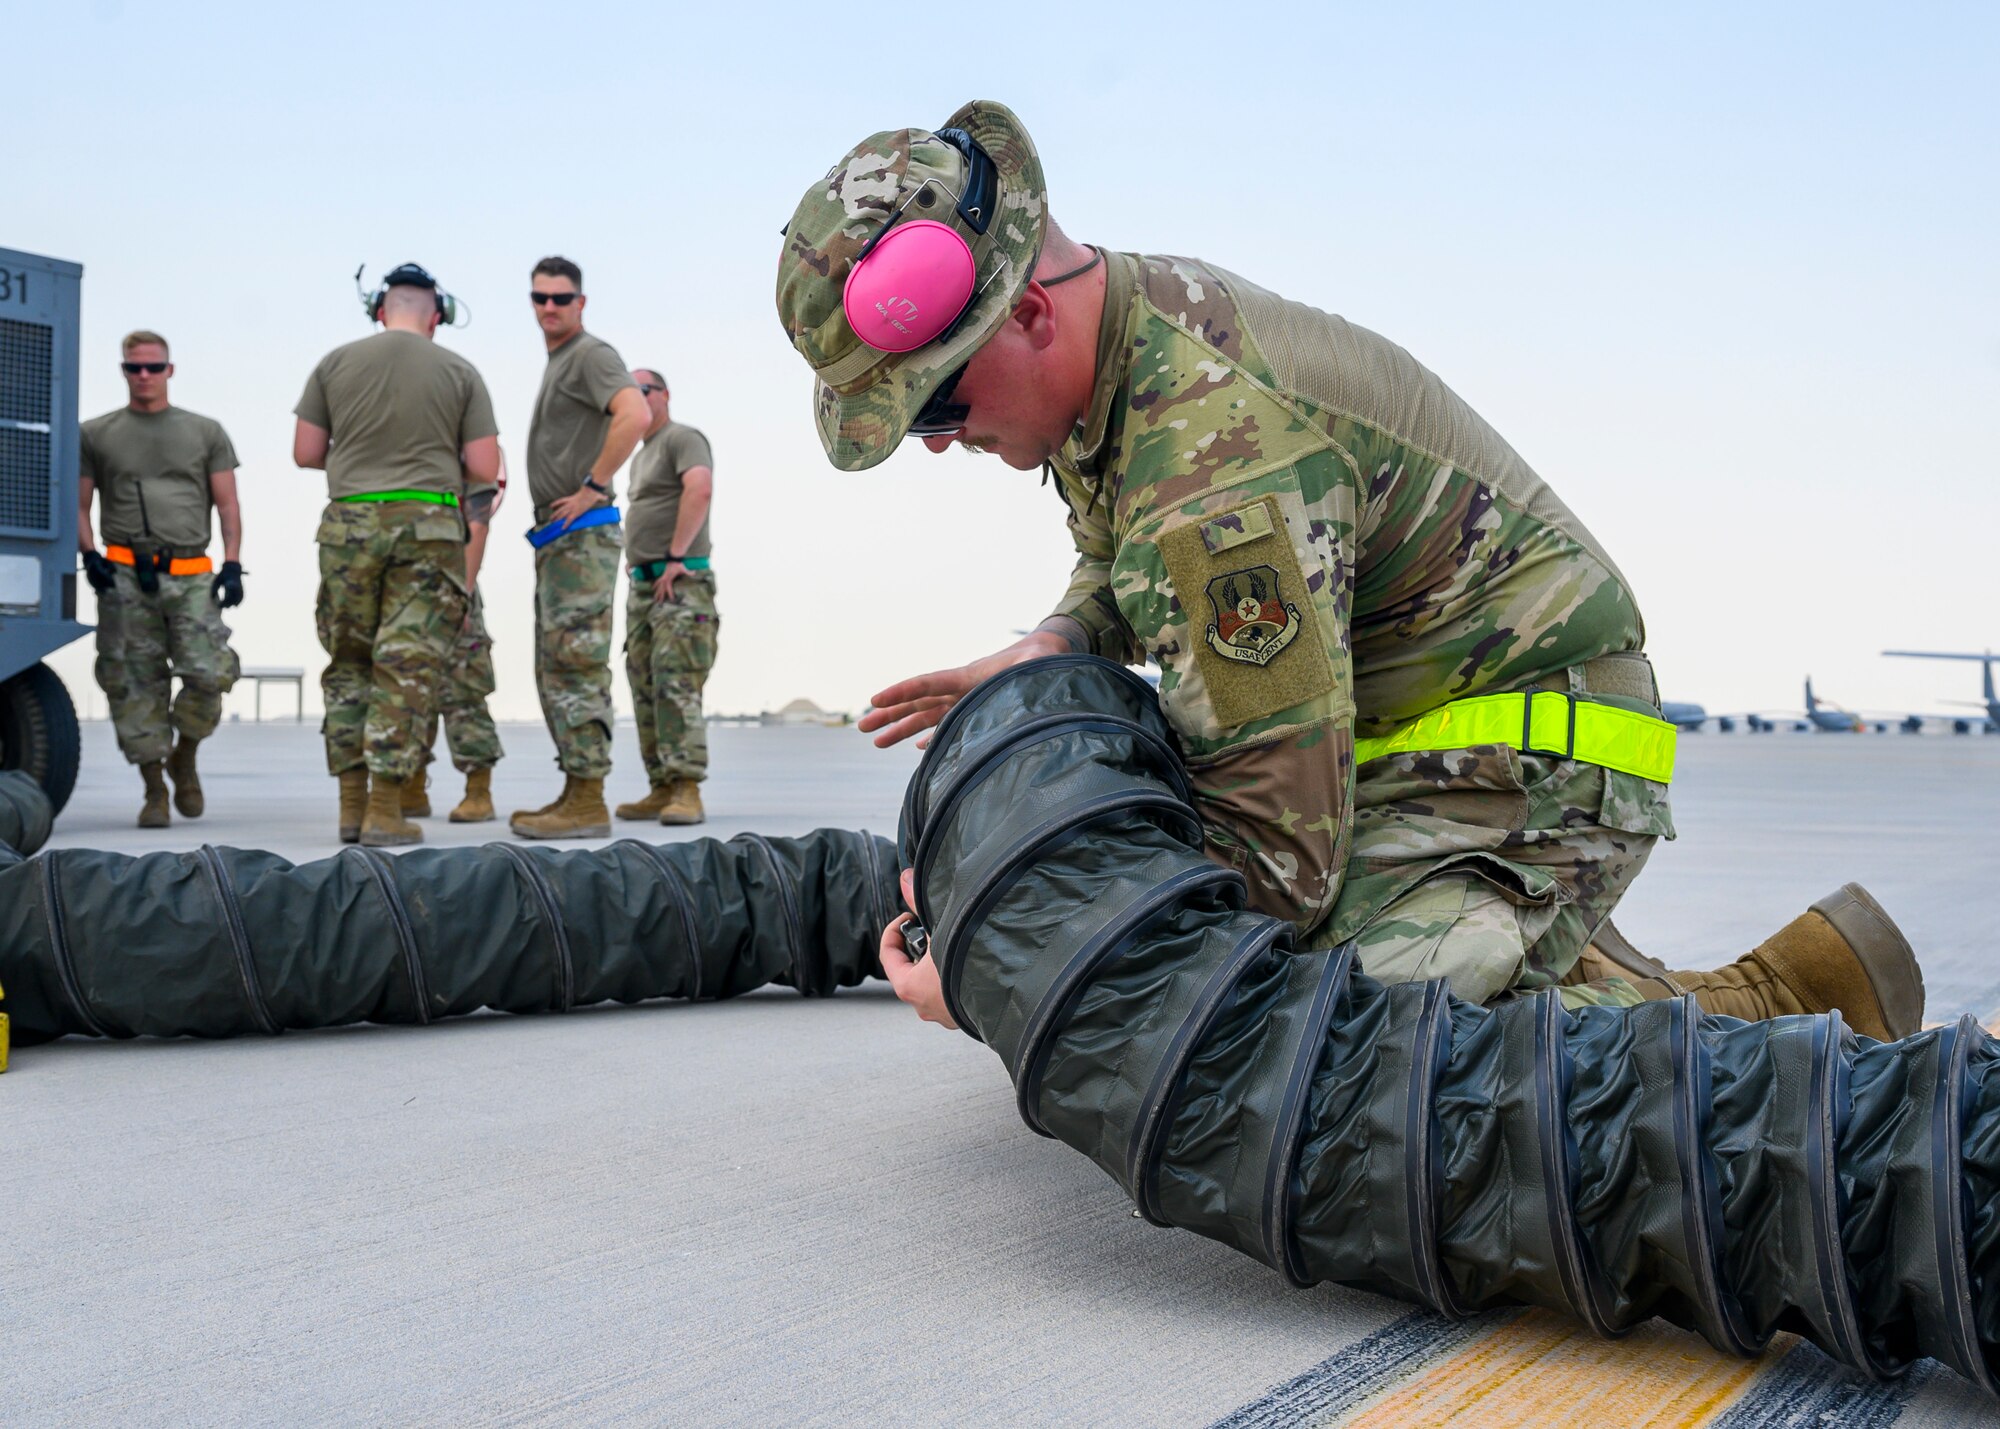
(1035, 311)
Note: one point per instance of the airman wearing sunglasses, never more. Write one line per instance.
(589, 416)
(1407, 682)
(161, 470)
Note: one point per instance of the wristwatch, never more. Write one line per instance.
(591, 482)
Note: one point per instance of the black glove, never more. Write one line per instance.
(99, 571)
(227, 588)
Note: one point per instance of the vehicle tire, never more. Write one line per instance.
(38, 731)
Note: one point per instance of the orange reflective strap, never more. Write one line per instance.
(178, 566)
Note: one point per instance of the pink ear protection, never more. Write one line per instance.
(910, 287)
(914, 280)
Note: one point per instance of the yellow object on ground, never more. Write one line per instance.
(1555, 723)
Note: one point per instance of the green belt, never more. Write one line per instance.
(1549, 722)
(653, 570)
(435, 498)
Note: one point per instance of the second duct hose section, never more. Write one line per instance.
(225, 942)
(1735, 1178)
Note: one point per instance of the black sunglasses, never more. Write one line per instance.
(561, 300)
(647, 389)
(153, 367)
(941, 416)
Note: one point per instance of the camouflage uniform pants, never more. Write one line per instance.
(669, 650)
(391, 601)
(461, 703)
(1491, 869)
(143, 641)
(576, 583)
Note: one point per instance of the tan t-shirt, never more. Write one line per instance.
(654, 504)
(399, 409)
(572, 415)
(152, 471)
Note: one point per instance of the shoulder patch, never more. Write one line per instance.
(1255, 634)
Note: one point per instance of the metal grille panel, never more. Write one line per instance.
(26, 482)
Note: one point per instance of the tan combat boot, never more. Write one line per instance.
(187, 783)
(569, 782)
(417, 794)
(1843, 952)
(648, 808)
(383, 825)
(477, 805)
(580, 815)
(353, 803)
(685, 806)
(153, 813)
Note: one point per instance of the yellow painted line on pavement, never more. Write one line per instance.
(1542, 1371)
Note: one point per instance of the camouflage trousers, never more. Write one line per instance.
(461, 698)
(669, 650)
(576, 584)
(1491, 869)
(391, 601)
(143, 642)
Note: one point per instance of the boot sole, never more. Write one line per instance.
(457, 818)
(1884, 953)
(1616, 950)
(585, 831)
(636, 816)
(368, 840)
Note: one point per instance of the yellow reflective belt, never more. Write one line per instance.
(1555, 724)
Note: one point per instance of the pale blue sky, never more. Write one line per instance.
(1724, 275)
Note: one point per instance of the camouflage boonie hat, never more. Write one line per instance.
(864, 400)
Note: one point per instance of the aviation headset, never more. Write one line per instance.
(411, 275)
(916, 278)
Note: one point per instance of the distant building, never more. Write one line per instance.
(804, 712)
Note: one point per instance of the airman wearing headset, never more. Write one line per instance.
(402, 427)
(1407, 683)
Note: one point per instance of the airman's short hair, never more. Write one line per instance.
(139, 337)
(557, 266)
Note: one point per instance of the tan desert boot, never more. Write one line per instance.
(580, 815)
(383, 825)
(153, 813)
(477, 805)
(569, 782)
(353, 803)
(187, 783)
(417, 795)
(685, 806)
(1843, 952)
(648, 808)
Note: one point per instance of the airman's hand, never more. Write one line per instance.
(663, 588)
(916, 704)
(914, 982)
(575, 504)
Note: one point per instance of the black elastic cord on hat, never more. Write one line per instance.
(1096, 257)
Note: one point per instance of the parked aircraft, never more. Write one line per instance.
(1963, 724)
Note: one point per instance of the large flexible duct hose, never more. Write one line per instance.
(1735, 1178)
(25, 816)
(224, 942)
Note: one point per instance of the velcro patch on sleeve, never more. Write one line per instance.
(1256, 637)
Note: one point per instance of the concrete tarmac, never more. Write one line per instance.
(754, 1212)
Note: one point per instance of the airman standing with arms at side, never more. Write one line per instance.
(670, 620)
(588, 418)
(1408, 683)
(161, 469)
(401, 427)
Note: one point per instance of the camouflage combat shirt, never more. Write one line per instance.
(1313, 538)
